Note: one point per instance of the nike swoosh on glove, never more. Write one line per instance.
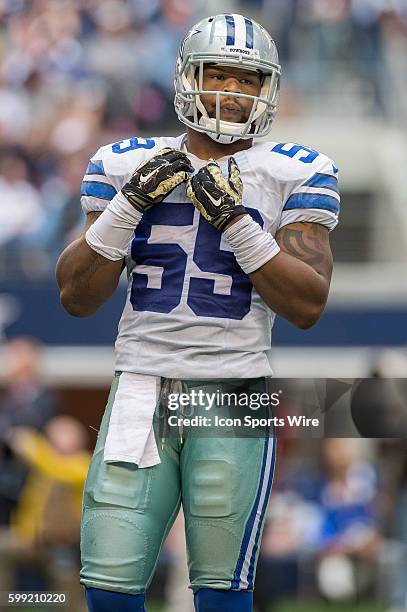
(155, 178)
(218, 199)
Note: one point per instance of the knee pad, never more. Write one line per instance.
(106, 601)
(211, 489)
(115, 551)
(213, 600)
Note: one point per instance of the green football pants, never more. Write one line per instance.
(223, 483)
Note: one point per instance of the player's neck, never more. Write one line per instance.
(202, 146)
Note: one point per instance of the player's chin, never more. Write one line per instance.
(231, 116)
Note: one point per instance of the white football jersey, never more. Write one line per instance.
(191, 312)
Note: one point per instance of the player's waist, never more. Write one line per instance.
(231, 384)
(192, 365)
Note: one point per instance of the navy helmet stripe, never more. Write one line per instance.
(230, 33)
(249, 33)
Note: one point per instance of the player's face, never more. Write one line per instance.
(234, 80)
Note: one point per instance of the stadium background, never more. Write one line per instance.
(78, 74)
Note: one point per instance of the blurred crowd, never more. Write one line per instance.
(44, 459)
(75, 74)
(336, 528)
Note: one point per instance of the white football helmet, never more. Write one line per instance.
(227, 40)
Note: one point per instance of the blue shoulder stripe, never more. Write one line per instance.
(95, 167)
(327, 181)
(312, 200)
(98, 190)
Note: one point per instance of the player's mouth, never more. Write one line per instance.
(230, 110)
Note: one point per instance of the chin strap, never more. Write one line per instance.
(207, 122)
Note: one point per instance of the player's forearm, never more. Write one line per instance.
(291, 272)
(85, 278)
(292, 288)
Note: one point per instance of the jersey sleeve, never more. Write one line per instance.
(98, 186)
(112, 165)
(315, 199)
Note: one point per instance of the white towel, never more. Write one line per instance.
(130, 437)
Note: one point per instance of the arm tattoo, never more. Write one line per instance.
(309, 244)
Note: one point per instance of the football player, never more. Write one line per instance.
(219, 230)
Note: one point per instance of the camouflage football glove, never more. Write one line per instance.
(156, 177)
(218, 199)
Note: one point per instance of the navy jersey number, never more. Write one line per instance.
(170, 260)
